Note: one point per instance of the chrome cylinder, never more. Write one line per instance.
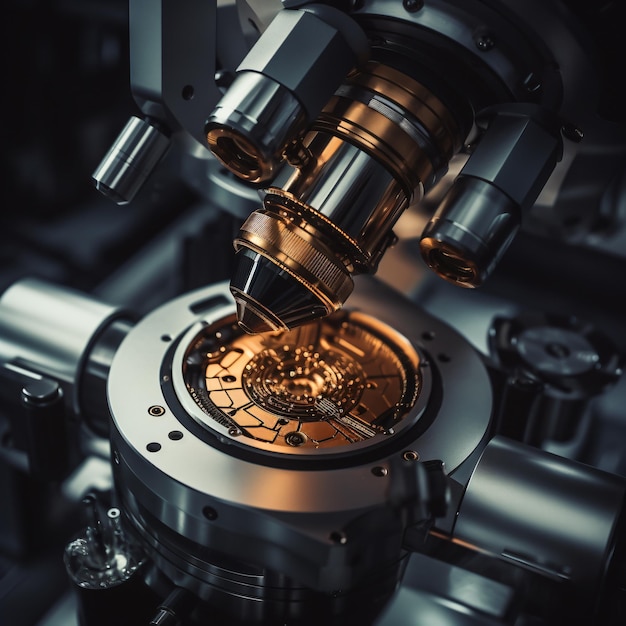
(130, 161)
(545, 513)
(273, 99)
(247, 129)
(51, 330)
(470, 232)
(348, 188)
(482, 211)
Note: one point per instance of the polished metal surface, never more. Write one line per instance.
(507, 40)
(182, 481)
(381, 140)
(545, 513)
(272, 100)
(349, 199)
(447, 595)
(346, 186)
(248, 129)
(308, 445)
(470, 231)
(327, 44)
(50, 329)
(483, 210)
(130, 161)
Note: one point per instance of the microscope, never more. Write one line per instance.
(319, 437)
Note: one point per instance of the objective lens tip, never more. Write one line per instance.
(251, 320)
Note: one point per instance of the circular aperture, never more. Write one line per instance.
(236, 153)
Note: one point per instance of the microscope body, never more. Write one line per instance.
(304, 442)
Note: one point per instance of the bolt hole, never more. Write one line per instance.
(166, 338)
(188, 92)
(210, 513)
(153, 447)
(410, 455)
(156, 410)
(113, 513)
(428, 335)
(295, 439)
(444, 358)
(175, 435)
(338, 537)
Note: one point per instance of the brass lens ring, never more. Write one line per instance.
(293, 249)
(238, 154)
(450, 263)
(381, 141)
(397, 120)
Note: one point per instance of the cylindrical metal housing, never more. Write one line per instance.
(326, 43)
(273, 99)
(131, 159)
(51, 330)
(247, 498)
(469, 233)
(247, 129)
(551, 515)
(482, 211)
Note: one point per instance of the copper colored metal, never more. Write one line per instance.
(379, 143)
(342, 380)
(397, 120)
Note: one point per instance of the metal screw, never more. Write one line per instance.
(572, 133)
(410, 455)
(412, 6)
(485, 42)
(156, 410)
(295, 438)
(210, 513)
